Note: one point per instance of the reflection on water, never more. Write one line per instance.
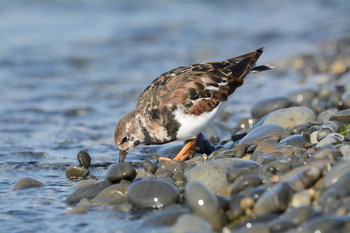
(70, 69)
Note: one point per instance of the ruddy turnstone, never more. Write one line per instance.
(180, 103)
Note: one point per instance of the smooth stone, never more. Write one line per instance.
(289, 117)
(313, 137)
(342, 116)
(303, 179)
(78, 210)
(268, 105)
(326, 115)
(280, 225)
(327, 128)
(302, 96)
(325, 223)
(112, 195)
(119, 171)
(205, 204)
(149, 166)
(84, 159)
(213, 174)
(165, 217)
(152, 194)
(274, 200)
(246, 182)
(336, 173)
(300, 129)
(302, 198)
(191, 223)
(277, 166)
(173, 166)
(75, 172)
(263, 132)
(269, 146)
(84, 183)
(299, 215)
(294, 140)
(88, 192)
(261, 158)
(332, 138)
(326, 152)
(346, 99)
(27, 183)
(345, 151)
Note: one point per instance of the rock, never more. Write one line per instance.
(152, 194)
(204, 203)
(332, 138)
(326, 115)
(263, 132)
(119, 171)
(213, 174)
(346, 99)
(268, 105)
(302, 198)
(75, 172)
(342, 116)
(88, 192)
(294, 140)
(261, 158)
(191, 223)
(327, 128)
(112, 195)
(165, 216)
(302, 96)
(274, 200)
(303, 179)
(149, 166)
(27, 183)
(299, 215)
(289, 117)
(84, 159)
(336, 173)
(269, 146)
(246, 182)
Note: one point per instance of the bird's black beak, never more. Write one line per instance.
(122, 155)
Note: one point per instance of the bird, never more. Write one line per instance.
(180, 103)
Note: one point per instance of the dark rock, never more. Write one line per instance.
(27, 183)
(119, 171)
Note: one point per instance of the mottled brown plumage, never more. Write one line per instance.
(194, 90)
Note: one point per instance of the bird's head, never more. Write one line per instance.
(127, 134)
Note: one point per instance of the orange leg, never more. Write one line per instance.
(186, 151)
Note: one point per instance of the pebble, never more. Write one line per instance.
(342, 116)
(313, 137)
(204, 204)
(336, 173)
(152, 194)
(269, 146)
(274, 200)
(119, 171)
(302, 96)
(302, 198)
(246, 182)
(84, 159)
(261, 158)
(332, 138)
(327, 128)
(112, 195)
(346, 99)
(191, 223)
(75, 172)
(149, 166)
(166, 216)
(268, 105)
(294, 140)
(289, 117)
(27, 183)
(259, 134)
(299, 215)
(213, 174)
(87, 192)
(326, 115)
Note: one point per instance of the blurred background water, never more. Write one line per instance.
(70, 69)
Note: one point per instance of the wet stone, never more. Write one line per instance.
(339, 170)
(299, 215)
(119, 171)
(261, 158)
(149, 166)
(277, 166)
(303, 179)
(165, 216)
(152, 194)
(205, 204)
(213, 174)
(326, 115)
(191, 223)
(27, 183)
(342, 116)
(269, 146)
(112, 195)
(289, 117)
(87, 192)
(75, 172)
(173, 166)
(268, 105)
(84, 159)
(246, 182)
(259, 134)
(274, 200)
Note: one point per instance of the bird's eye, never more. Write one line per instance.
(124, 139)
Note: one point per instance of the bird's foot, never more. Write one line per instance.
(187, 151)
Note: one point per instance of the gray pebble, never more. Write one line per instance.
(342, 116)
(326, 115)
(119, 171)
(263, 132)
(246, 182)
(191, 223)
(149, 166)
(84, 159)
(75, 172)
(27, 183)
(112, 195)
(152, 194)
(336, 173)
(346, 99)
(268, 105)
(294, 140)
(299, 215)
(332, 138)
(88, 192)
(205, 204)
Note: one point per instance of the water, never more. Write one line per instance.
(70, 69)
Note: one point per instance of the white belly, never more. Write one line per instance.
(192, 125)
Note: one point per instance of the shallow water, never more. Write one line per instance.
(70, 69)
